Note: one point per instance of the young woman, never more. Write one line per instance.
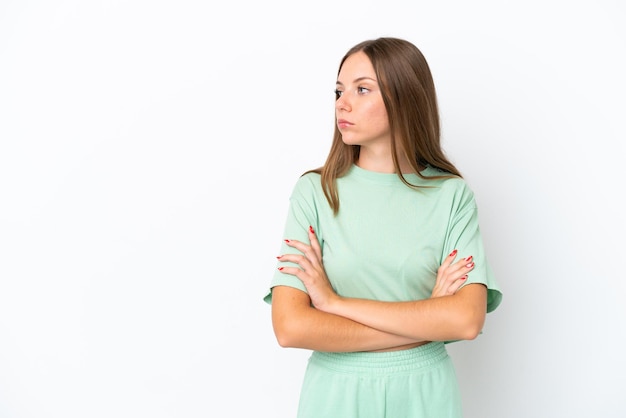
(383, 262)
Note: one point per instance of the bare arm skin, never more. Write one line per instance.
(299, 325)
(345, 324)
(456, 317)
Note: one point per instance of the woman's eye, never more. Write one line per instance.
(338, 93)
(362, 90)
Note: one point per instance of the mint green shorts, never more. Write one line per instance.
(415, 383)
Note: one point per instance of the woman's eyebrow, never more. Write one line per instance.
(356, 80)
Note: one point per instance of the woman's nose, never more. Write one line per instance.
(342, 104)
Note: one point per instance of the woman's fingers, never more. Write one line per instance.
(309, 269)
(309, 260)
(452, 275)
(299, 259)
(449, 259)
(312, 252)
(315, 244)
(456, 284)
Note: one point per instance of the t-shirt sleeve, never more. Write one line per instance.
(464, 235)
(301, 214)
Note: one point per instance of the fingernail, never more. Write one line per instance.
(469, 258)
(286, 240)
(452, 253)
(280, 268)
(311, 229)
(469, 265)
(279, 256)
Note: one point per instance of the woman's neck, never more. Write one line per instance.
(380, 162)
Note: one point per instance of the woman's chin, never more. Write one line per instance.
(350, 141)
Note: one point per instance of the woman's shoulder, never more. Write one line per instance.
(308, 183)
(456, 187)
(309, 179)
(444, 178)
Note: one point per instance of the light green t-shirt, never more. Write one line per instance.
(388, 240)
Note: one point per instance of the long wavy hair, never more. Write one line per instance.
(409, 95)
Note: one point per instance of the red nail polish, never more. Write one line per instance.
(279, 256)
(280, 268)
(469, 258)
(452, 253)
(286, 240)
(469, 265)
(311, 229)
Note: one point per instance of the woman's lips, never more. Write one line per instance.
(342, 123)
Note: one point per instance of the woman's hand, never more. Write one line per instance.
(311, 270)
(451, 276)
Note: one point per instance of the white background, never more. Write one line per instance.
(148, 149)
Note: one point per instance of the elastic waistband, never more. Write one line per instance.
(387, 362)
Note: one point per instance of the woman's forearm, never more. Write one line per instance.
(298, 325)
(456, 317)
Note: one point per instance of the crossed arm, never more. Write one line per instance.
(322, 320)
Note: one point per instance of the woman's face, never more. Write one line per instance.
(359, 110)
